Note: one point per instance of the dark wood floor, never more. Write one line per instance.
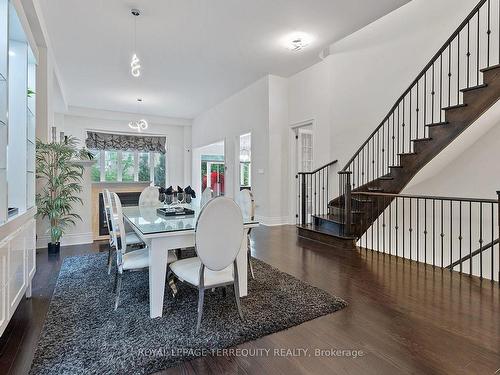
(406, 318)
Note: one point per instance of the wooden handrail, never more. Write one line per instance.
(420, 75)
(320, 168)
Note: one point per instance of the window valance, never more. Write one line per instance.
(124, 142)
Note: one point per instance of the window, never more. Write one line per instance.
(159, 170)
(246, 160)
(129, 166)
(111, 166)
(144, 166)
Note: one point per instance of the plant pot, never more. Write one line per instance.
(54, 247)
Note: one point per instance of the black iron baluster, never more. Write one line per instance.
(451, 233)
(470, 238)
(411, 228)
(418, 230)
(458, 68)
(378, 153)
(442, 234)
(425, 102)
(393, 148)
(468, 54)
(403, 226)
(383, 224)
(492, 239)
(434, 232)
(396, 227)
(432, 96)
(488, 32)
(481, 240)
(390, 227)
(449, 74)
(440, 88)
(425, 231)
(477, 51)
(460, 238)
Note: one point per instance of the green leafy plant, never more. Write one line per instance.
(61, 182)
(30, 93)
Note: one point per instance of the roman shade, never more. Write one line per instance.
(124, 142)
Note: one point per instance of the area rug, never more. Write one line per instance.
(84, 335)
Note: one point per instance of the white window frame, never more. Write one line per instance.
(119, 174)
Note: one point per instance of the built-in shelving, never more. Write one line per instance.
(17, 161)
(17, 115)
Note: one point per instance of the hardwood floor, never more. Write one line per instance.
(405, 318)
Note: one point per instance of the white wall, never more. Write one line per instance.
(245, 112)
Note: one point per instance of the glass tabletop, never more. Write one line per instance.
(148, 221)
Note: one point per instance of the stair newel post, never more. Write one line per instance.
(348, 203)
(303, 199)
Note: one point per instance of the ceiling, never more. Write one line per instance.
(194, 53)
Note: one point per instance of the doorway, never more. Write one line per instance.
(302, 160)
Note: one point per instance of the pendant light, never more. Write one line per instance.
(141, 124)
(135, 63)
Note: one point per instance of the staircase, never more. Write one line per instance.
(454, 89)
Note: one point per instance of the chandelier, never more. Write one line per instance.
(138, 125)
(135, 63)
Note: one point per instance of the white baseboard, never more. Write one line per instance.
(67, 239)
(273, 221)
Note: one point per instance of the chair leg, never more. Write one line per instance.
(224, 293)
(116, 280)
(237, 290)
(201, 295)
(249, 257)
(171, 284)
(110, 260)
(118, 289)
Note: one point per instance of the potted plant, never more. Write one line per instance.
(61, 182)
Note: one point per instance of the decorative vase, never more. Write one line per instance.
(54, 248)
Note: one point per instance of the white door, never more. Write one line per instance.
(304, 163)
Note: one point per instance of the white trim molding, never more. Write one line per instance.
(67, 240)
(274, 221)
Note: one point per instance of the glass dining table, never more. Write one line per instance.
(163, 233)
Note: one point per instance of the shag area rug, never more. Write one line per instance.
(84, 335)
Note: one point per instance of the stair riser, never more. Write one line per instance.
(421, 146)
(327, 240)
(490, 76)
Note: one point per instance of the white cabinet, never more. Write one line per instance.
(17, 267)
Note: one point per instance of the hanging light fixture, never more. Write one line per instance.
(135, 63)
(141, 124)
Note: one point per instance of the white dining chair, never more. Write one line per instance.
(131, 238)
(215, 265)
(206, 196)
(247, 204)
(127, 260)
(150, 196)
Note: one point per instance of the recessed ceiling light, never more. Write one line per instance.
(298, 41)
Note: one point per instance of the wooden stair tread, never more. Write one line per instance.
(437, 124)
(422, 139)
(490, 68)
(456, 106)
(467, 89)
